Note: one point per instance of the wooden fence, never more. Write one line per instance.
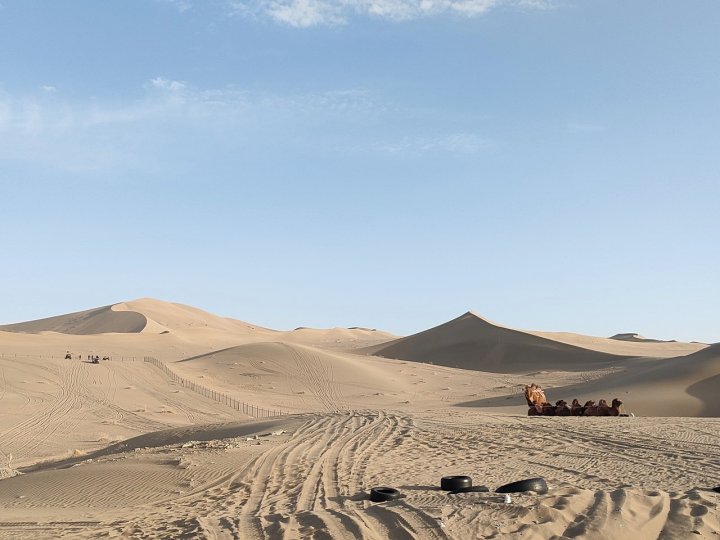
(245, 408)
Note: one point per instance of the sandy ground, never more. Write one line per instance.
(121, 449)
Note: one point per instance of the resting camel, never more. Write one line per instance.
(590, 409)
(534, 395)
(537, 402)
(562, 409)
(576, 409)
(612, 410)
(538, 405)
(542, 409)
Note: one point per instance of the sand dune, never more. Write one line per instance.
(300, 378)
(95, 321)
(682, 386)
(121, 449)
(471, 342)
(192, 326)
(144, 315)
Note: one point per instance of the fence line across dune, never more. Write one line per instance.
(240, 406)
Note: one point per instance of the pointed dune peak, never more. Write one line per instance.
(474, 316)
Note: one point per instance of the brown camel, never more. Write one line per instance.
(542, 409)
(562, 409)
(590, 409)
(548, 409)
(615, 408)
(576, 409)
(534, 395)
(603, 409)
(535, 410)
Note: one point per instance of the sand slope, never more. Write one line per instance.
(300, 378)
(52, 407)
(683, 386)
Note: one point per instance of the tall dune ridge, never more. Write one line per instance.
(124, 448)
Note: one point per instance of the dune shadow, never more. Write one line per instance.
(703, 390)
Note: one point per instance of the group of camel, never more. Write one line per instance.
(539, 405)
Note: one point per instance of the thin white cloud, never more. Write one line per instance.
(307, 13)
(93, 135)
(48, 88)
(181, 5)
(166, 84)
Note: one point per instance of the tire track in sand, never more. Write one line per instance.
(314, 485)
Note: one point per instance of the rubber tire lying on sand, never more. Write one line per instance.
(471, 489)
(537, 485)
(453, 483)
(382, 494)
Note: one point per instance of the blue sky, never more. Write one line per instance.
(552, 165)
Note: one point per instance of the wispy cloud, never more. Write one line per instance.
(173, 119)
(306, 13)
(181, 5)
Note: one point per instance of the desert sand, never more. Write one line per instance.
(200, 426)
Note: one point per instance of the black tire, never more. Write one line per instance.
(453, 483)
(471, 489)
(382, 494)
(537, 485)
